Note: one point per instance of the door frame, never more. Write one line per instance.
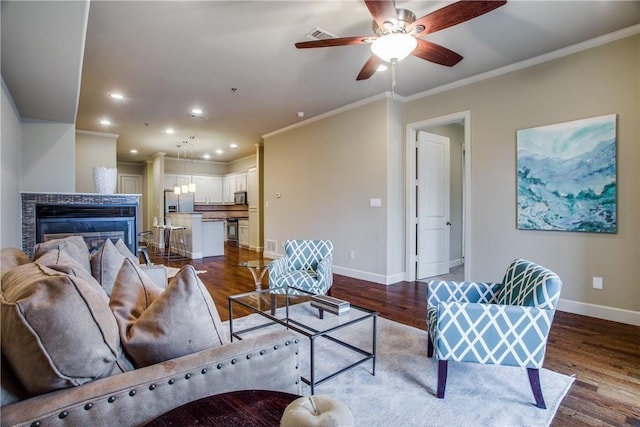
(410, 184)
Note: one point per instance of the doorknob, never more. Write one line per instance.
(448, 223)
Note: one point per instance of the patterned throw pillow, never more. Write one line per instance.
(160, 324)
(57, 329)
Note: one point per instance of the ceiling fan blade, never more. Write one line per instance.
(340, 41)
(453, 14)
(369, 68)
(435, 53)
(382, 11)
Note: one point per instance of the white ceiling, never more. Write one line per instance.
(167, 57)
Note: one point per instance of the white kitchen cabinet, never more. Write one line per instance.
(232, 183)
(228, 188)
(243, 233)
(171, 180)
(241, 182)
(208, 189)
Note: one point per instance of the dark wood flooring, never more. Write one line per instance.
(604, 356)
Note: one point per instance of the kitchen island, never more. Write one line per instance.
(202, 237)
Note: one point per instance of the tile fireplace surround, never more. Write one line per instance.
(31, 200)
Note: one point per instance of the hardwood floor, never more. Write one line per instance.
(603, 356)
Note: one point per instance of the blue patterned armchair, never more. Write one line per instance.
(504, 323)
(307, 265)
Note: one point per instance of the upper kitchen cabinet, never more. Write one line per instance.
(208, 189)
(231, 184)
(171, 180)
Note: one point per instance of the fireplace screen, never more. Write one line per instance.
(94, 223)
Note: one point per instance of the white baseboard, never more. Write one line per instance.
(455, 262)
(272, 255)
(370, 277)
(600, 311)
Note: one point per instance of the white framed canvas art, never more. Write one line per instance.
(567, 176)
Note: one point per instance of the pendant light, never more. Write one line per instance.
(176, 188)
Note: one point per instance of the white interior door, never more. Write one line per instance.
(132, 184)
(433, 221)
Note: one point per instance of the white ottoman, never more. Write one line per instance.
(316, 411)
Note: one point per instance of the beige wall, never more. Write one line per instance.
(199, 167)
(48, 153)
(10, 172)
(325, 173)
(93, 149)
(599, 81)
(327, 170)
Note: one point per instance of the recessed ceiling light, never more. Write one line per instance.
(133, 151)
(219, 151)
(105, 122)
(300, 114)
(196, 111)
(170, 131)
(116, 95)
(233, 145)
(206, 156)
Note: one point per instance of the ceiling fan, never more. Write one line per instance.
(398, 32)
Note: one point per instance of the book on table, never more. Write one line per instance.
(330, 304)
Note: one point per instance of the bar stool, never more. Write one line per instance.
(157, 240)
(144, 239)
(174, 236)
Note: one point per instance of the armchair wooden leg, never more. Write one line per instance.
(273, 304)
(321, 313)
(429, 347)
(442, 377)
(534, 380)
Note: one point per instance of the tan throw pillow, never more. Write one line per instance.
(57, 330)
(75, 246)
(125, 252)
(160, 324)
(105, 265)
(11, 258)
(59, 260)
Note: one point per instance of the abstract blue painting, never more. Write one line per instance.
(567, 176)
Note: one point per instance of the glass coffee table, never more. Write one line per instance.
(292, 312)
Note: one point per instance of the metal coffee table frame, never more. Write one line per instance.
(306, 330)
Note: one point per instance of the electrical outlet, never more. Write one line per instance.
(597, 282)
(352, 254)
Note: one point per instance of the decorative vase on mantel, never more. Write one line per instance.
(105, 179)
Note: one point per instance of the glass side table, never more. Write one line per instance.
(258, 268)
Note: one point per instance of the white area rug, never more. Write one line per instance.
(172, 271)
(402, 393)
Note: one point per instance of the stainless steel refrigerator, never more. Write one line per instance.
(177, 202)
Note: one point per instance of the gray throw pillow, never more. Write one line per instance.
(57, 330)
(125, 252)
(160, 324)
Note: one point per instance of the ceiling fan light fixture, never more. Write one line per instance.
(394, 46)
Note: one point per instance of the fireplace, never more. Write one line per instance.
(95, 217)
(94, 223)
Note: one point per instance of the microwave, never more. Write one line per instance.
(240, 197)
